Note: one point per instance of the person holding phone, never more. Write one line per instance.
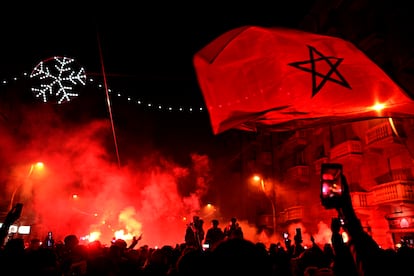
(343, 261)
(367, 256)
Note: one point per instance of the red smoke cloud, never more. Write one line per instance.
(82, 189)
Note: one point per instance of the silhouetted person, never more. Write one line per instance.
(214, 234)
(134, 242)
(298, 247)
(311, 261)
(233, 230)
(74, 257)
(368, 258)
(329, 253)
(194, 233)
(237, 256)
(200, 232)
(343, 264)
(11, 217)
(289, 247)
(13, 258)
(192, 262)
(49, 240)
(280, 260)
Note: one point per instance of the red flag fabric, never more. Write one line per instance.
(285, 79)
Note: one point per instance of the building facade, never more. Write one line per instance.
(377, 155)
(378, 162)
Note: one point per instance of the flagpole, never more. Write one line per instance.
(108, 99)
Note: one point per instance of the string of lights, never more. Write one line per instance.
(146, 104)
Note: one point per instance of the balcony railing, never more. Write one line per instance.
(350, 148)
(391, 192)
(291, 214)
(394, 175)
(360, 199)
(382, 133)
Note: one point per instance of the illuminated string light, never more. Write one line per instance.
(133, 100)
(57, 77)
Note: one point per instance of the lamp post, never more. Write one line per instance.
(261, 181)
(34, 166)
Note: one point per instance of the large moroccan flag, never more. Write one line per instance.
(287, 79)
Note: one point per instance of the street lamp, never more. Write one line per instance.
(33, 167)
(261, 181)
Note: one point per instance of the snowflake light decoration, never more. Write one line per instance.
(56, 78)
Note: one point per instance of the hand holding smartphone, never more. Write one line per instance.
(331, 185)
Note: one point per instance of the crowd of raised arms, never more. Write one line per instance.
(223, 251)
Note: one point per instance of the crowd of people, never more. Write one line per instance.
(216, 251)
(196, 237)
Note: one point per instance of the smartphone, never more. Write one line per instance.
(50, 242)
(331, 185)
(298, 236)
(285, 235)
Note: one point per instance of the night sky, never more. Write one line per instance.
(144, 50)
(160, 167)
(148, 46)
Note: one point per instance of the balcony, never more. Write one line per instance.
(350, 150)
(295, 142)
(360, 199)
(394, 175)
(381, 137)
(393, 192)
(291, 214)
(300, 173)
